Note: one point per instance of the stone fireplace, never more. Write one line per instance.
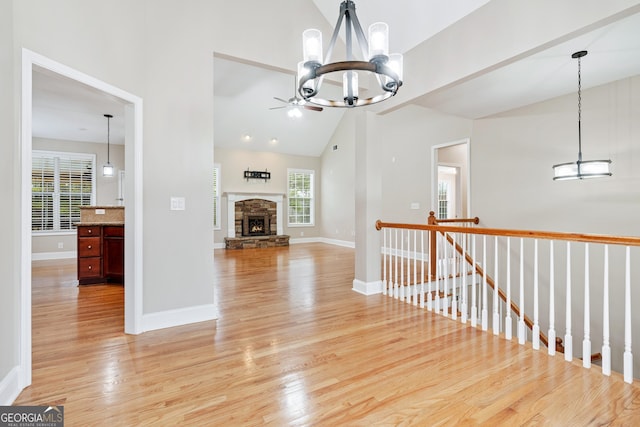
(255, 220)
(253, 217)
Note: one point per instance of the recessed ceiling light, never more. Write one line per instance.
(273, 140)
(246, 137)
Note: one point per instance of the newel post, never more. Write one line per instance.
(432, 246)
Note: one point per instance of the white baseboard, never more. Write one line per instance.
(343, 243)
(10, 387)
(178, 317)
(367, 288)
(41, 256)
(295, 241)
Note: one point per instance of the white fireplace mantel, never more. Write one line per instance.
(232, 198)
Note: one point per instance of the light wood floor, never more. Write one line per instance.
(294, 345)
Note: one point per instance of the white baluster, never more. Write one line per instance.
(384, 261)
(485, 314)
(463, 273)
(390, 292)
(395, 282)
(606, 348)
(552, 304)
(522, 333)
(415, 267)
(508, 322)
(586, 342)
(454, 301)
(568, 340)
(628, 356)
(438, 273)
(535, 339)
(445, 264)
(496, 287)
(431, 257)
(422, 269)
(401, 290)
(474, 305)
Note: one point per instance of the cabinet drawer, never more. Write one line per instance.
(89, 267)
(89, 231)
(113, 231)
(88, 246)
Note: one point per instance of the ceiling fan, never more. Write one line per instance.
(295, 101)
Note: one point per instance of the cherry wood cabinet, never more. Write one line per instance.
(100, 254)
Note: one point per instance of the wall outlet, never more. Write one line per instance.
(302, 233)
(60, 245)
(100, 212)
(415, 205)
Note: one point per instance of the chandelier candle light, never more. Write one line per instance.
(387, 68)
(107, 168)
(581, 169)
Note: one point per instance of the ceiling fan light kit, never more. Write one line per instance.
(581, 169)
(388, 69)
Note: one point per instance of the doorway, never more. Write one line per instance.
(450, 196)
(32, 61)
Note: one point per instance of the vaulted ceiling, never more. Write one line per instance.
(244, 89)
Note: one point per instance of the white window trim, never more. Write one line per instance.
(71, 155)
(313, 198)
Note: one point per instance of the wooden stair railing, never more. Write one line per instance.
(503, 296)
(432, 222)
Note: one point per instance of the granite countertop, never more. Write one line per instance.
(101, 207)
(95, 223)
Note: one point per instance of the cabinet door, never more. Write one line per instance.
(113, 259)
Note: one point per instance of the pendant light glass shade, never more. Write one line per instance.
(107, 168)
(581, 169)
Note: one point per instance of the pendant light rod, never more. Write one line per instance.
(107, 168)
(578, 55)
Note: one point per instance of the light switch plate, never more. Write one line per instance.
(177, 203)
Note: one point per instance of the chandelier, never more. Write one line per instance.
(386, 68)
(581, 169)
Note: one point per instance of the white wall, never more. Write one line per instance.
(233, 163)
(162, 52)
(338, 180)
(512, 187)
(9, 221)
(408, 137)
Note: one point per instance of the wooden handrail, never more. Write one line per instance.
(531, 234)
(433, 220)
(433, 227)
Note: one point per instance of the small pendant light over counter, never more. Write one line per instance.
(107, 168)
(581, 169)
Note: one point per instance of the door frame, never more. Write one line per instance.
(133, 289)
(434, 174)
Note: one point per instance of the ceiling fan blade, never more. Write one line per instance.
(277, 108)
(280, 99)
(312, 108)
